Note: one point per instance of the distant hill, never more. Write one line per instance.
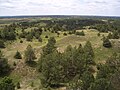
(59, 16)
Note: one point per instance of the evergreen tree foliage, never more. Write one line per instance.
(29, 54)
(2, 45)
(7, 84)
(87, 78)
(59, 68)
(40, 39)
(29, 37)
(80, 33)
(98, 34)
(50, 47)
(8, 33)
(99, 84)
(107, 43)
(18, 55)
(46, 36)
(109, 36)
(65, 34)
(18, 85)
(115, 35)
(4, 66)
(88, 49)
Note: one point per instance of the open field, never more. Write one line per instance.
(62, 43)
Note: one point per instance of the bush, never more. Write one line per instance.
(109, 36)
(29, 54)
(2, 45)
(40, 39)
(18, 85)
(7, 84)
(21, 41)
(98, 34)
(18, 55)
(46, 36)
(107, 43)
(70, 32)
(29, 37)
(37, 35)
(80, 33)
(65, 34)
(14, 63)
(4, 66)
(32, 84)
(23, 34)
(58, 33)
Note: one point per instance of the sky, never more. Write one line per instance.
(60, 7)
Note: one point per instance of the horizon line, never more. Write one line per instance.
(57, 15)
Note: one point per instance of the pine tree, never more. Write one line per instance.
(37, 35)
(87, 78)
(7, 84)
(107, 43)
(88, 49)
(18, 55)
(50, 47)
(2, 45)
(18, 85)
(29, 54)
(98, 34)
(29, 37)
(99, 84)
(40, 39)
(4, 66)
(115, 35)
(109, 36)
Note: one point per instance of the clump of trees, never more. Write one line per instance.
(8, 33)
(34, 33)
(73, 67)
(80, 33)
(108, 73)
(7, 84)
(57, 67)
(114, 35)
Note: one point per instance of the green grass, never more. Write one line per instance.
(101, 53)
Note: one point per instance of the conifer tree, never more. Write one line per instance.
(88, 49)
(2, 45)
(18, 55)
(29, 54)
(107, 43)
(50, 47)
(7, 84)
(4, 66)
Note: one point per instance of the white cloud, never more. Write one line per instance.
(59, 7)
